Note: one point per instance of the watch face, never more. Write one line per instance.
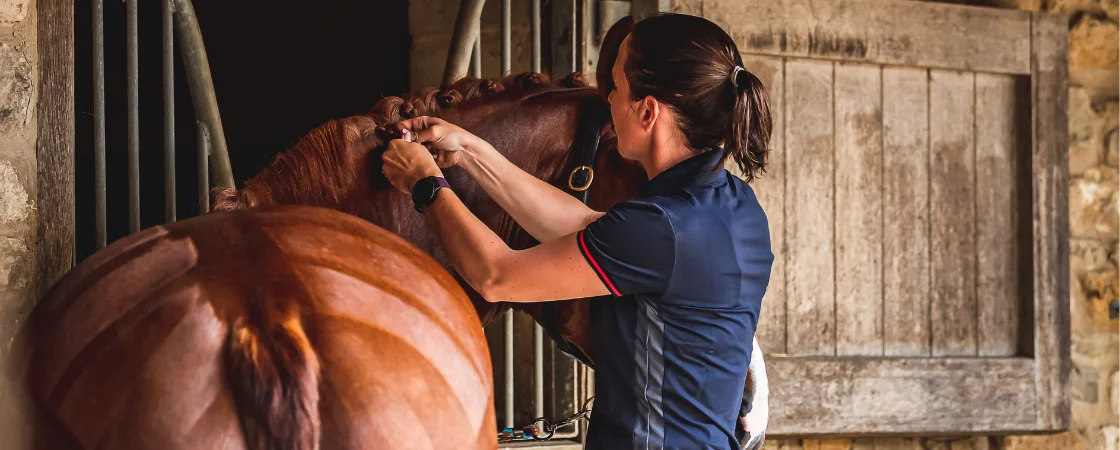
(424, 192)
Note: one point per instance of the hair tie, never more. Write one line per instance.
(735, 75)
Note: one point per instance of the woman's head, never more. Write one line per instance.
(675, 77)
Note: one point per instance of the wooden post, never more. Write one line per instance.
(54, 149)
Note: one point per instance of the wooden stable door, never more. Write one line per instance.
(917, 203)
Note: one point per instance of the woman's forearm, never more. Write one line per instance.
(540, 208)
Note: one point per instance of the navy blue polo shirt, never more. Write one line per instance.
(689, 262)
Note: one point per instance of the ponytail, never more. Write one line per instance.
(749, 125)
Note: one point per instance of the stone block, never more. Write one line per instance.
(1100, 289)
(1081, 116)
(15, 85)
(14, 204)
(1085, 383)
(1094, 52)
(1092, 204)
(1069, 440)
(15, 266)
(13, 11)
(1110, 437)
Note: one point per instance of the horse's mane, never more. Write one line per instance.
(323, 166)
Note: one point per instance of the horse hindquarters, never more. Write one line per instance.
(206, 333)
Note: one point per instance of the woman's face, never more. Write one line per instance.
(626, 113)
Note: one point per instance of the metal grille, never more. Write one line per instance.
(178, 19)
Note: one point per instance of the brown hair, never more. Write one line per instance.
(687, 63)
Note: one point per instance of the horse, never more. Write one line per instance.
(290, 327)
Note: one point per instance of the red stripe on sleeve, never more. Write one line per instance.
(595, 264)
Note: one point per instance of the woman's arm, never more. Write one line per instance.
(541, 209)
(553, 270)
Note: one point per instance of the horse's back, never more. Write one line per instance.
(277, 328)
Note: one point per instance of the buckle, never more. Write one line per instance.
(583, 184)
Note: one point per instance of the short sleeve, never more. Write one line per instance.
(632, 248)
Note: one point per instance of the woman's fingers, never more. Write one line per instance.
(423, 128)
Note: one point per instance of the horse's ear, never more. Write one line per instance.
(608, 52)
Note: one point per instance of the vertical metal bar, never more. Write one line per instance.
(168, 113)
(133, 119)
(205, 101)
(581, 36)
(476, 56)
(508, 340)
(538, 332)
(203, 168)
(535, 31)
(100, 237)
(505, 37)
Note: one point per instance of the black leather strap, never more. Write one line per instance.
(593, 115)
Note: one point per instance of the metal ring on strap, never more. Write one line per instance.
(572, 176)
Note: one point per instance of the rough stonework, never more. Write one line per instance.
(15, 85)
(13, 11)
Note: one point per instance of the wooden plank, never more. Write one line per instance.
(997, 148)
(770, 188)
(897, 444)
(837, 397)
(55, 143)
(863, 444)
(895, 32)
(810, 275)
(952, 214)
(859, 213)
(906, 212)
(1050, 178)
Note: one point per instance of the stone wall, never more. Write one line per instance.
(18, 89)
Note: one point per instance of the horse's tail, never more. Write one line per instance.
(274, 376)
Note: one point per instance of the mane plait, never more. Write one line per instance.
(318, 170)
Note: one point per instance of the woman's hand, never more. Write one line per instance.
(447, 139)
(405, 162)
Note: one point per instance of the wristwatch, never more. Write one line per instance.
(425, 190)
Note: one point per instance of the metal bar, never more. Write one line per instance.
(538, 371)
(133, 118)
(563, 37)
(505, 37)
(203, 173)
(202, 89)
(100, 236)
(476, 56)
(535, 31)
(508, 340)
(581, 36)
(168, 112)
(459, 55)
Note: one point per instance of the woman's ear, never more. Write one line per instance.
(608, 52)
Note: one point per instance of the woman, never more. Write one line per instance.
(689, 261)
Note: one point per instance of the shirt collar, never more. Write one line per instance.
(698, 170)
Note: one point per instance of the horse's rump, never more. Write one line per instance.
(280, 328)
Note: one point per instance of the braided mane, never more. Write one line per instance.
(326, 164)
